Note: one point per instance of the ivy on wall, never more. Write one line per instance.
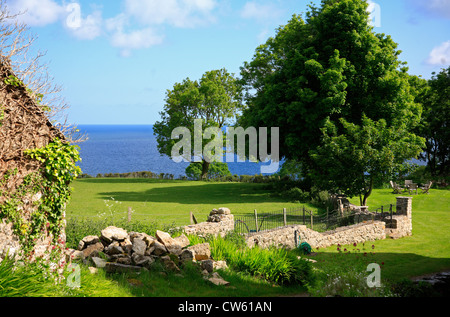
(52, 185)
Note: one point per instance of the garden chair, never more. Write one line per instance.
(426, 187)
(396, 188)
(412, 187)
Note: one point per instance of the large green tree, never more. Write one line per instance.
(215, 99)
(319, 70)
(363, 155)
(435, 127)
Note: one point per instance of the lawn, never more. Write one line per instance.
(168, 201)
(426, 251)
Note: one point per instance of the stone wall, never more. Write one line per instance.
(289, 236)
(9, 242)
(220, 221)
(400, 226)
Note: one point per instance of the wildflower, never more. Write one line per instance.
(373, 246)
(354, 244)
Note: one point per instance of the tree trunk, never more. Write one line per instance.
(205, 168)
(368, 192)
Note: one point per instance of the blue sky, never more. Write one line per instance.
(115, 59)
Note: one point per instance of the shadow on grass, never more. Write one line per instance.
(394, 266)
(129, 181)
(204, 193)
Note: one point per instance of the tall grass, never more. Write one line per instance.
(276, 265)
(21, 281)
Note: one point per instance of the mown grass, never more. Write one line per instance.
(168, 201)
(253, 273)
(426, 251)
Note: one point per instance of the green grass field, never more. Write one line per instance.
(169, 202)
(426, 251)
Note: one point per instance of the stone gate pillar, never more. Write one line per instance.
(404, 206)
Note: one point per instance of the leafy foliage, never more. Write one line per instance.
(216, 170)
(363, 155)
(435, 124)
(59, 170)
(215, 99)
(52, 185)
(324, 70)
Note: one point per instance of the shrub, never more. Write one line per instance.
(296, 194)
(216, 170)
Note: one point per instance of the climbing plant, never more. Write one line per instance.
(12, 80)
(50, 188)
(59, 170)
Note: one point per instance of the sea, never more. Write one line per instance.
(133, 148)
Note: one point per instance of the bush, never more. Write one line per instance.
(296, 194)
(216, 170)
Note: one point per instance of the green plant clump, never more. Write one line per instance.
(275, 265)
(51, 185)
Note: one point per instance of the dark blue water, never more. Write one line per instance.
(133, 148)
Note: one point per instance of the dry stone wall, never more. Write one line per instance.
(117, 251)
(220, 221)
(291, 236)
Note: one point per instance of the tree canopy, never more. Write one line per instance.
(435, 127)
(328, 69)
(214, 99)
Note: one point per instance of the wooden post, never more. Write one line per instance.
(129, 214)
(192, 218)
(311, 214)
(303, 215)
(284, 217)
(256, 220)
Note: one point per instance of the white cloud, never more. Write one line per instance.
(257, 10)
(138, 39)
(36, 12)
(440, 55)
(89, 27)
(437, 8)
(135, 28)
(178, 13)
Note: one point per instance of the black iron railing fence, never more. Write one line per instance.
(257, 221)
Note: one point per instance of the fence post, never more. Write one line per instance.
(130, 211)
(256, 220)
(312, 225)
(192, 218)
(284, 217)
(390, 212)
(304, 215)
